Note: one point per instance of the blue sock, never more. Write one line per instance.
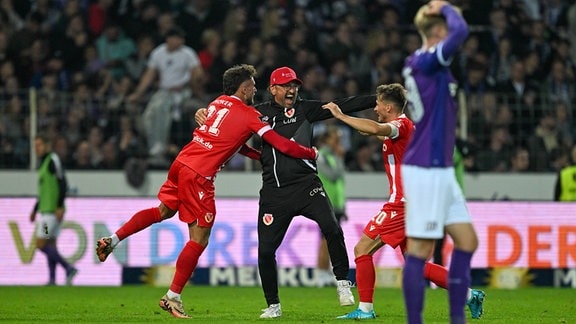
(458, 284)
(51, 271)
(52, 253)
(413, 286)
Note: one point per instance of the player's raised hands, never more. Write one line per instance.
(434, 7)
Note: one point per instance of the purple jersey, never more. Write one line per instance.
(431, 90)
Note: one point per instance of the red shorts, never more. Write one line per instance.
(388, 224)
(191, 194)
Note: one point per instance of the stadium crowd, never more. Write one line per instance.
(84, 58)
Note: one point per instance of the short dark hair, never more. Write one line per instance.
(393, 92)
(44, 138)
(175, 31)
(235, 76)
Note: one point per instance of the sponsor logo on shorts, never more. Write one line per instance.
(209, 217)
(267, 219)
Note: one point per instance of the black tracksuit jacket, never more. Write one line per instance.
(280, 170)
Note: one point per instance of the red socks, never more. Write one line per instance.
(437, 274)
(365, 278)
(185, 265)
(138, 222)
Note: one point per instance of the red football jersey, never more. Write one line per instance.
(229, 124)
(393, 150)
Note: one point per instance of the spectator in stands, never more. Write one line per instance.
(136, 63)
(62, 148)
(229, 56)
(164, 24)
(49, 12)
(466, 57)
(558, 86)
(363, 157)
(211, 42)
(540, 41)
(98, 16)
(501, 62)
(180, 74)
(10, 18)
(520, 160)
(235, 23)
(114, 49)
(93, 63)
(565, 123)
(254, 52)
(110, 159)
(543, 141)
(130, 145)
(498, 29)
(46, 119)
(495, 157)
(7, 70)
(522, 96)
(4, 45)
(534, 69)
(72, 44)
(198, 16)
(81, 158)
(95, 141)
(146, 21)
(561, 52)
(559, 159)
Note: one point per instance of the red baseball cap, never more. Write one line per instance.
(283, 75)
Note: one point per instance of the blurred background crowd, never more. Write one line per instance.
(84, 58)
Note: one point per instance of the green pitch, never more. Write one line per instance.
(139, 304)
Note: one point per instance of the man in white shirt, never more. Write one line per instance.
(179, 73)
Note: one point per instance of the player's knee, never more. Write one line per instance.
(469, 245)
(266, 253)
(333, 233)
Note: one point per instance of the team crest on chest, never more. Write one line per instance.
(267, 219)
(289, 113)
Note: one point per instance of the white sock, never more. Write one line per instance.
(469, 295)
(173, 295)
(365, 307)
(115, 239)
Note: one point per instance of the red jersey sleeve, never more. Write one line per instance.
(250, 152)
(289, 147)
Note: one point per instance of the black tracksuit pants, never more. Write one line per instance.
(277, 208)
